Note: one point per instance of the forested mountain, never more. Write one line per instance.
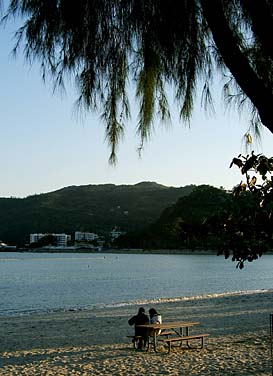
(198, 220)
(96, 208)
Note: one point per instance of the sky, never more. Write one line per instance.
(44, 146)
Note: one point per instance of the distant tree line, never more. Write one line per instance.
(238, 224)
(91, 208)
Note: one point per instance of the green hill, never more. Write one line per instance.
(96, 208)
(190, 222)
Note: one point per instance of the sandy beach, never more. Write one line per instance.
(94, 342)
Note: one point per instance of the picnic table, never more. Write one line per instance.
(171, 332)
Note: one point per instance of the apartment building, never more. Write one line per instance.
(61, 239)
(85, 236)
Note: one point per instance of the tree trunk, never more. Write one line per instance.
(260, 95)
(262, 23)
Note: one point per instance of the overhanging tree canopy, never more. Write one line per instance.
(105, 44)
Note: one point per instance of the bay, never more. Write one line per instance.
(32, 283)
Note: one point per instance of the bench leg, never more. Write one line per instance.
(201, 347)
(155, 343)
(135, 342)
(147, 342)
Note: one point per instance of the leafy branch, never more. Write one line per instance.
(249, 229)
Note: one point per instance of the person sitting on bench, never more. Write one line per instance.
(155, 318)
(140, 319)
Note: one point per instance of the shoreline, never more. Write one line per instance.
(116, 251)
(197, 252)
(94, 342)
(99, 307)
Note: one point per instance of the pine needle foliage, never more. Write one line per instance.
(105, 44)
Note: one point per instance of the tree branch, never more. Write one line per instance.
(237, 62)
(262, 23)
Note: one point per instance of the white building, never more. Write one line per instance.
(61, 239)
(85, 236)
(114, 234)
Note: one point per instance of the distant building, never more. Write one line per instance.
(114, 234)
(85, 236)
(61, 239)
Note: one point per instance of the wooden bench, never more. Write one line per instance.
(171, 340)
(136, 338)
(165, 333)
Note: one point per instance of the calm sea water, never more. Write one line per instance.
(38, 283)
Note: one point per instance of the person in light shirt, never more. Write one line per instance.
(155, 318)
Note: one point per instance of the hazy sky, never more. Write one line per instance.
(44, 147)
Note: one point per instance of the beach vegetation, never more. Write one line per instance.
(250, 232)
(152, 45)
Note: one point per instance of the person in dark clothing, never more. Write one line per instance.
(140, 319)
